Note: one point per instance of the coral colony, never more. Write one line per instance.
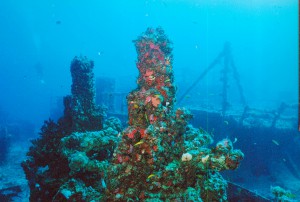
(68, 160)
(158, 157)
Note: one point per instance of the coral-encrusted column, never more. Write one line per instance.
(160, 156)
(149, 107)
(155, 94)
(81, 107)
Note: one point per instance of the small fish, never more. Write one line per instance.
(275, 142)
(235, 140)
(167, 80)
(152, 175)
(138, 143)
(226, 122)
(187, 97)
(103, 183)
(146, 118)
(135, 106)
(58, 22)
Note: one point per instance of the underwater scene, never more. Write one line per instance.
(149, 100)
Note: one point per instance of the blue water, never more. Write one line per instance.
(263, 35)
(38, 40)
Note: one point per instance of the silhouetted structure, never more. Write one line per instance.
(228, 65)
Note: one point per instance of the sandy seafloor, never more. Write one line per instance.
(11, 172)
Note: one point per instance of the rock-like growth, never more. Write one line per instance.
(86, 115)
(65, 161)
(147, 164)
(159, 157)
(283, 195)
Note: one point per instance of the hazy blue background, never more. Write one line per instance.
(38, 40)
